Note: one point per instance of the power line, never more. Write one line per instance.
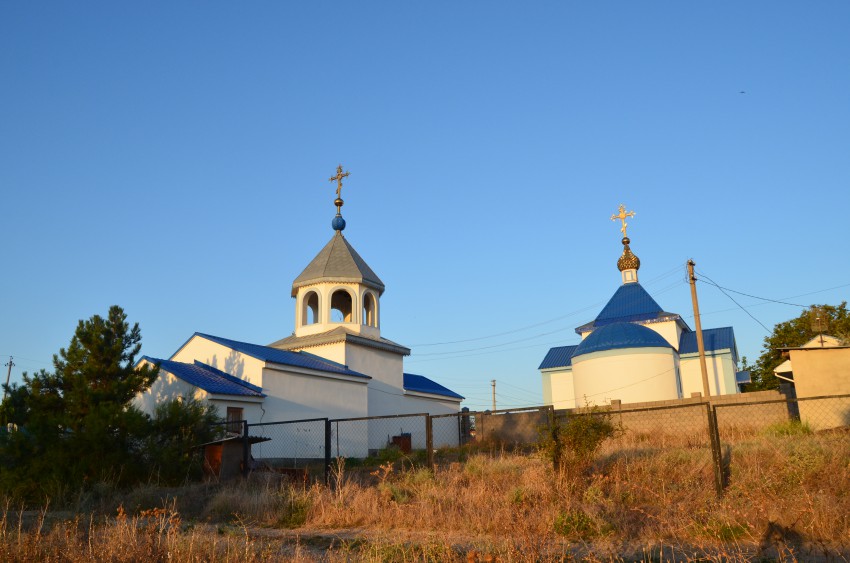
(506, 332)
(30, 360)
(735, 302)
(413, 360)
(491, 346)
(766, 302)
(711, 282)
(513, 331)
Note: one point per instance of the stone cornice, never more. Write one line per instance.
(339, 335)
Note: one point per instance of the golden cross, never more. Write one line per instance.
(338, 179)
(622, 217)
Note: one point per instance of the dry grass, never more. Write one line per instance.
(787, 498)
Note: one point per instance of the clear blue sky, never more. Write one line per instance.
(172, 158)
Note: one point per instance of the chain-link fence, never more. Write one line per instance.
(288, 447)
(453, 430)
(365, 437)
(739, 422)
(716, 431)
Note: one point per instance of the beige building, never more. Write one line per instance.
(819, 368)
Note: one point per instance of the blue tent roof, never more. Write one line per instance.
(208, 378)
(422, 384)
(713, 338)
(630, 303)
(620, 335)
(558, 357)
(284, 357)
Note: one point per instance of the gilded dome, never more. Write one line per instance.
(628, 261)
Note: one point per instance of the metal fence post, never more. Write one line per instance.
(246, 449)
(429, 442)
(716, 453)
(555, 435)
(328, 450)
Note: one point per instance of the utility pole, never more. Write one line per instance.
(700, 344)
(10, 365)
(493, 384)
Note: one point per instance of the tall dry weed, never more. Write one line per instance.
(787, 495)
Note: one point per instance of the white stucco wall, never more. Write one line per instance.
(252, 410)
(294, 395)
(166, 388)
(432, 404)
(221, 357)
(384, 366)
(631, 375)
(721, 373)
(558, 388)
(670, 330)
(386, 393)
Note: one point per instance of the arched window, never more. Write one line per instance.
(341, 307)
(370, 310)
(310, 308)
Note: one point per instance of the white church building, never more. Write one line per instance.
(335, 364)
(634, 351)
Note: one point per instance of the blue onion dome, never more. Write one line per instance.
(338, 223)
(620, 335)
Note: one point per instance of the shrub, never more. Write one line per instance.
(788, 428)
(578, 437)
(575, 523)
(176, 427)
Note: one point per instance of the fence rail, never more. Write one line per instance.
(298, 447)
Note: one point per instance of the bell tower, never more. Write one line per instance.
(338, 289)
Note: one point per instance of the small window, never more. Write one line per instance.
(234, 419)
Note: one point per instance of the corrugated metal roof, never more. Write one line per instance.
(338, 261)
(620, 335)
(208, 378)
(422, 384)
(284, 357)
(713, 338)
(558, 357)
(630, 303)
(743, 377)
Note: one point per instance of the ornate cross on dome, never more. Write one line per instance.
(622, 215)
(338, 179)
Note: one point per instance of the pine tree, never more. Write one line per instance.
(76, 423)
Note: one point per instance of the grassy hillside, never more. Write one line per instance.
(787, 497)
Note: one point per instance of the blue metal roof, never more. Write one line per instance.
(558, 357)
(284, 357)
(630, 303)
(742, 377)
(713, 338)
(620, 335)
(208, 378)
(422, 384)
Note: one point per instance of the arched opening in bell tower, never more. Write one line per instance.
(310, 308)
(370, 310)
(341, 306)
